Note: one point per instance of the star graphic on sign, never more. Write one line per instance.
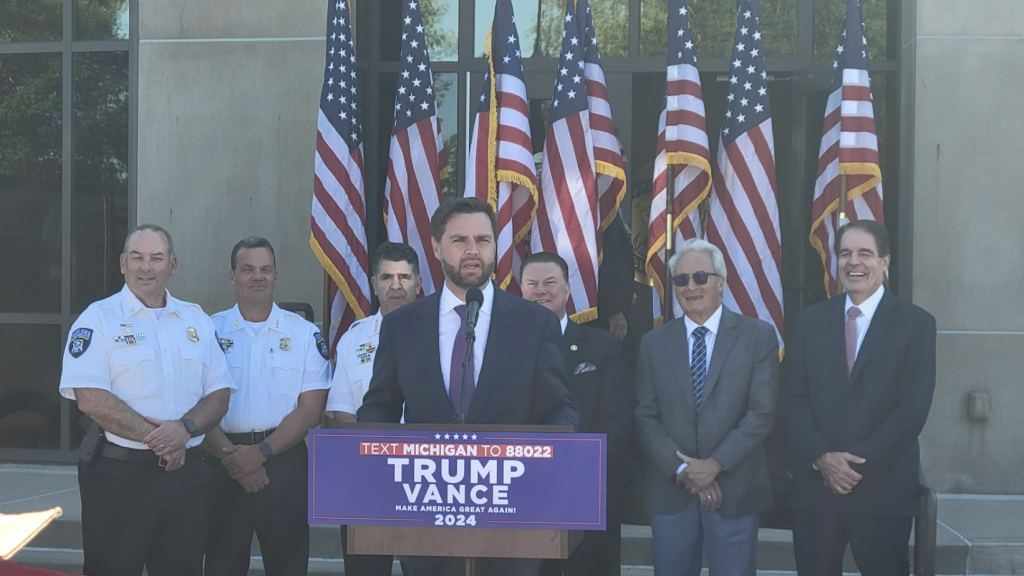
(474, 436)
(438, 436)
(447, 436)
(465, 437)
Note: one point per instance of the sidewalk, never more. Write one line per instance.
(977, 534)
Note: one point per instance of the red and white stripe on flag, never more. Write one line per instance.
(567, 221)
(611, 175)
(849, 147)
(337, 235)
(417, 159)
(501, 169)
(682, 143)
(743, 219)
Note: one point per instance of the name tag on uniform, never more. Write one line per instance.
(365, 353)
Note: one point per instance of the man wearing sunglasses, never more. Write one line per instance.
(706, 387)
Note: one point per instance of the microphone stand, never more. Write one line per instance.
(466, 367)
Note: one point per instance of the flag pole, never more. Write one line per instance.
(842, 199)
(670, 236)
(327, 309)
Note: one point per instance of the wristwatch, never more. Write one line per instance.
(190, 427)
(266, 449)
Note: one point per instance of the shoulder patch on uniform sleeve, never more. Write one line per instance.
(321, 346)
(79, 341)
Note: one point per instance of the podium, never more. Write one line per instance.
(550, 494)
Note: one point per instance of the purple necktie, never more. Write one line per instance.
(851, 338)
(459, 352)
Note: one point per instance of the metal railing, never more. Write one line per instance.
(925, 532)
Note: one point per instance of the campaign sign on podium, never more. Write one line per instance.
(407, 477)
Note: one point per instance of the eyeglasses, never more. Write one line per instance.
(699, 278)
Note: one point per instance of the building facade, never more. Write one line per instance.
(201, 117)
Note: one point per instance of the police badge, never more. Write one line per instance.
(192, 334)
(79, 342)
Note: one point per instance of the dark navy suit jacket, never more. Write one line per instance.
(876, 413)
(522, 379)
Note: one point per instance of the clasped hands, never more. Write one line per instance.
(245, 464)
(699, 477)
(836, 472)
(167, 441)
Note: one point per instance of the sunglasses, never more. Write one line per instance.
(699, 278)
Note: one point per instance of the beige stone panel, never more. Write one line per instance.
(176, 19)
(970, 17)
(976, 457)
(968, 197)
(227, 133)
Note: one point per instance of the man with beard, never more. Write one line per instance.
(422, 346)
(395, 281)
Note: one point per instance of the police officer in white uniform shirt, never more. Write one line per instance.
(147, 369)
(395, 281)
(280, 364)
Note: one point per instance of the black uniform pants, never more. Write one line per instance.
(598, 554)
(880, 546)
(277, 514)
(137, 515)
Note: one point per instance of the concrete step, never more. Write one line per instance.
(59, 547)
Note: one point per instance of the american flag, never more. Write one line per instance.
(567, 220)
(744, 216)
(611, 177)
(683, 143)
(418, 162)
(848, 147)
(337, 235)
(501, 170)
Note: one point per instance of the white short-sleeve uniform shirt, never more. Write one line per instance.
(160, 362)
(272, 363)
(354, 365)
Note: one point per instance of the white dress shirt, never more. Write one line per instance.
(449, 324)
(709, 339)
(353, 367)
(159, 367)
(271, 366)
(867, 312)
(564, 322)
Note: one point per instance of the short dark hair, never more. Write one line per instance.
(871, 227)
(395, 252)
(448, 208)
(546, 258)
(151, 228)
(252, 242)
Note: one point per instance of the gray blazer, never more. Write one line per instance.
(737, 412)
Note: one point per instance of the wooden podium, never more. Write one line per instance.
(462, 542)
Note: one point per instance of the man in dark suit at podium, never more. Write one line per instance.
(600, 386)
(861, 375)
(422, 347)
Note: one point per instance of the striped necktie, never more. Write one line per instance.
(699, 364)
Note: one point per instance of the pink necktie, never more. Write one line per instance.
(851, 338)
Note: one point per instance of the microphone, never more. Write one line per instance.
(474, 300)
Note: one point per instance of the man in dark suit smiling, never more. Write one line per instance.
(861, 374)
(517, 373)
(599, 384)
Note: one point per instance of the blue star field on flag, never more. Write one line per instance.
(570, 89)
(747, 99)
(680, 41)
(415, 98)
(852, 51)
(505, 50)
(339, 97)
(590, 52)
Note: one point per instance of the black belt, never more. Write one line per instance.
(145, 456)
(250, 438)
